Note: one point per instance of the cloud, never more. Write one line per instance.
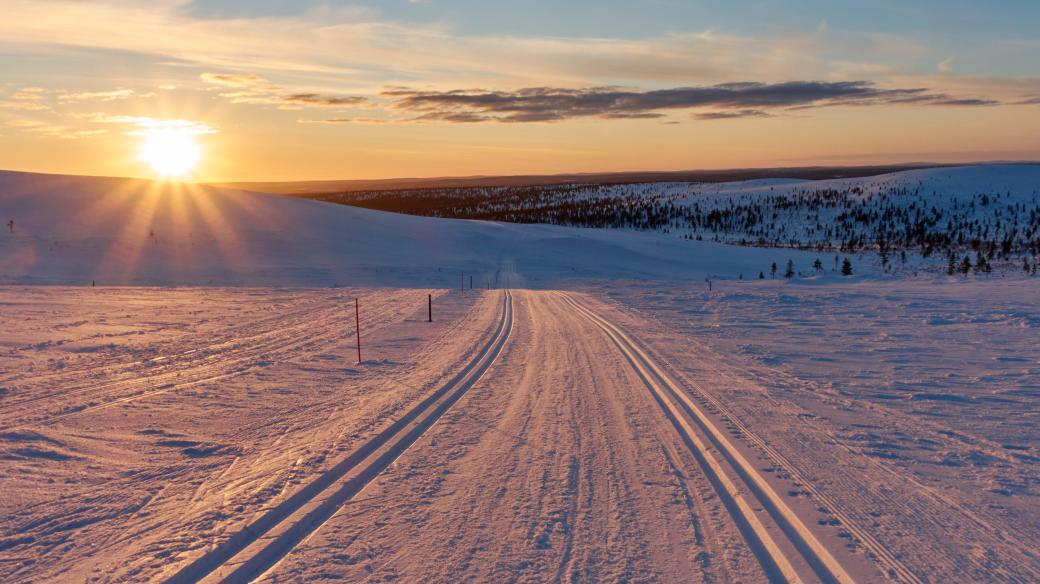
(323, 100)
(28, 94)
(24, 124)
(140, 124)
(52, 130)
(946, 65)
(349, 120)
(232, 79)
(257, 90)
(100, 95)
(23, 105)
(726, 100)
(731, 115)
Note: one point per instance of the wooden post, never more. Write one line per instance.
(357, 318)
(471, 281)
(429, 299)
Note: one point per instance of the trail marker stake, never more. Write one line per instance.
(357, 318)
(429, 300)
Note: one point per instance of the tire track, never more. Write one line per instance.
(258, 547)
(684, 415)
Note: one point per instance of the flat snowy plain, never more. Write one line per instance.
(598, 416)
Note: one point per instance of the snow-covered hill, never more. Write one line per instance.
(992, 210)
(121, 231)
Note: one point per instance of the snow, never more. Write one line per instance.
(75, 230)
(202, 411)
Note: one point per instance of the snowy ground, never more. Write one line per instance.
(609, 425)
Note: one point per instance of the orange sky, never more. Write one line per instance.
(355, 92)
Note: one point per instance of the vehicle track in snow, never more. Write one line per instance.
(770, 534)
(259, 546)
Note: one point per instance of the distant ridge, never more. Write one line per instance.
(726, 175)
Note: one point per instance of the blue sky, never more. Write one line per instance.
(986, 37)
(653, 17)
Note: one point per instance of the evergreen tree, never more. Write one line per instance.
(981, 264)
(772, 270)
(789, 272)
(761, 276)
(846, 267)
(966, 265)
(818, 265)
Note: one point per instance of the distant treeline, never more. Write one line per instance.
(886, 219)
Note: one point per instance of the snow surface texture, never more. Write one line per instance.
(636, 427)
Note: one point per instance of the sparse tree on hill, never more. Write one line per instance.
(966, 265)
(761, 276)
(772, 270)
(818, 265)
(981, 264)
(789, 272)
(846, 267)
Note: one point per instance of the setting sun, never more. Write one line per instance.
(170, 152)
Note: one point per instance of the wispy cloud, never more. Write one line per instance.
(323, 100)
(232, 79)
(52, 130)
(112, 95)
(257, 90)
(138, 124)
(348, 120)
(732, 114)
(727, 100)
(15, 104)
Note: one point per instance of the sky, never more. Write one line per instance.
(294, 90)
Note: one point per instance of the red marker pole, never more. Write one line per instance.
(357, 318)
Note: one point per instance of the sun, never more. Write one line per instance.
(171, 152)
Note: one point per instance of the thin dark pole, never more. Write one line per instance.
(471, 281)
(429, 299)
(357, 318)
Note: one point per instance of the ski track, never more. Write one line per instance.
(576, 421)
(952, 541)
(559, 470)
(251, 552)
(683, 414)
(76, 524)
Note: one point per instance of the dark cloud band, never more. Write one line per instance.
(724, 101)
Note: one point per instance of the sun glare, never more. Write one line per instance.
(171, 152)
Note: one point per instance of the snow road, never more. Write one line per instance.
(523, 436)
(576, 457)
